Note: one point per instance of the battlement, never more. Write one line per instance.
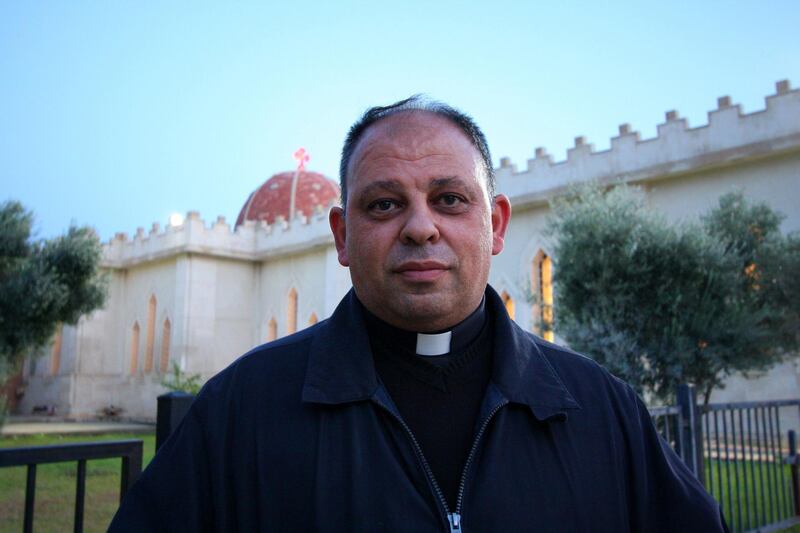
(728, 136)
(252, 241)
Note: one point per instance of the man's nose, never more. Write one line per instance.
(420, 226)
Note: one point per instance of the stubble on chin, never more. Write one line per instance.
(423, 311)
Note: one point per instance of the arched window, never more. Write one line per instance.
(291, 313)
(272, 329)
(509, 303)
(55, 351)
(134, 348)
(151, 334)
(313, 319)
(166, 334)
(542, 282)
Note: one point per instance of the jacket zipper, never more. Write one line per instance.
(470, 457)
(454, 518)
(455, 522)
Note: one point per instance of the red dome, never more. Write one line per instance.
(272, 199)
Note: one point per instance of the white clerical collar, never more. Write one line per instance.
(433, 345)
(427, 344)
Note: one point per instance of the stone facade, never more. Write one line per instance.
(223, 291)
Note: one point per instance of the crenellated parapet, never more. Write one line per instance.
(728, 137)
(251, 241)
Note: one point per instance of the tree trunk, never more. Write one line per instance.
(707, 394)
(11, 385)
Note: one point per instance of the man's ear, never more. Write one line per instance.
(501, 215)
(339, 230)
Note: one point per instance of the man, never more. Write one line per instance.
(419, 405)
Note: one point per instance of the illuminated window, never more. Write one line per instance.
(291, 314)
(151, 334)
(313, 319)
(272, 330)
(166, 334)
(542, 281)
(55, 352)
(509, 303)
(134, 348)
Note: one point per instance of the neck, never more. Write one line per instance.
(440, 342)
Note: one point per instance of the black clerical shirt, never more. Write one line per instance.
(439, 397)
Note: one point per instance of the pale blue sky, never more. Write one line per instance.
(116, 114)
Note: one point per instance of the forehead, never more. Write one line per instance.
(415, 138)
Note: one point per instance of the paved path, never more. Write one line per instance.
(13, 427)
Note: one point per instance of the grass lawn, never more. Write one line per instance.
(760, 492)
(55, 485)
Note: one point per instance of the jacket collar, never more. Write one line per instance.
(521, 371)
(341, 371)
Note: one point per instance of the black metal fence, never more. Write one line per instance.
(129, 450)
(172, 407)
(741, 455)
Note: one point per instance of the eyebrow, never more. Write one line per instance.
(389, 185)
(396, 187)
(446, 182)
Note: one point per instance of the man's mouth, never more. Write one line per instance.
(421, 271)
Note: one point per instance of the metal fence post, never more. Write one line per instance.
(691, 434)
(792, 460)
(172, 407)
(131, 469)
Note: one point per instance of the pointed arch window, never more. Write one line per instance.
(166, 336)
(509, 303)
(291, 313)
(134, 348)
(313, 319)
(272, 329)
(55, 351)
(151, 334)
(542, 281)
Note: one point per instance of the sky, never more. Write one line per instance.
(118, 114)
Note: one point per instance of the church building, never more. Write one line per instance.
(201, 294)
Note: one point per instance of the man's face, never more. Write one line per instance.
(420, 228)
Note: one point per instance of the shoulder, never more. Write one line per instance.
(588, 381)
(273, 369)
(569, 363)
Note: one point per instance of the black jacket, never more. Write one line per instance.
(299, 435)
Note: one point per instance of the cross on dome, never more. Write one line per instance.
(302, 157)
(287, 193)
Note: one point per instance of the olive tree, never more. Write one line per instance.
(662, 303)
(43, 283)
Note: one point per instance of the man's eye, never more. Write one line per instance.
(450, 200)
(382, 206)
